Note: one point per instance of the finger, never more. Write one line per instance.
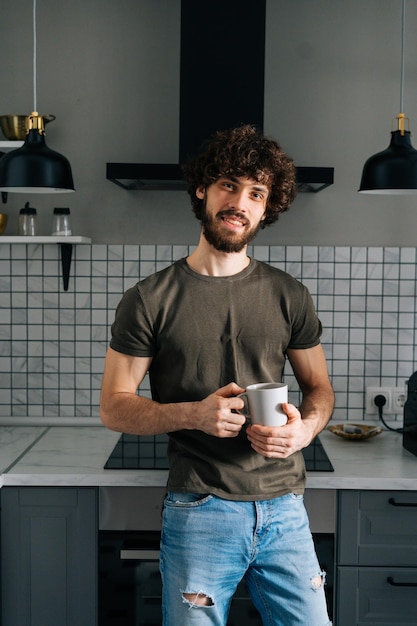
(265, 440)
(291, 410)
(231, 389)
(271, 450)
(228, 429)
(260, 431)
(235, 419)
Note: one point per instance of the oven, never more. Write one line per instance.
(129, 536)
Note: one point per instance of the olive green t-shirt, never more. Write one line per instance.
(202, 333)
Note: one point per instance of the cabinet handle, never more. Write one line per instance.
(395, 503)
(392, 582)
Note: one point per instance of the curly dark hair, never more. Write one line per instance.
(243, 152)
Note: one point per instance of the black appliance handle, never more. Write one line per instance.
(139, 555)
(395, 503)
(391, 581)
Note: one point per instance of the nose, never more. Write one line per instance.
(238, 201)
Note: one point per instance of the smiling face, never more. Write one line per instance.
(233, 212)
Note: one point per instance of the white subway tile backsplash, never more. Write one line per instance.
(261, 252)
(310, 254)
(147, 268)
(405, 344)
(359, 255)
(99, 252)
(53, 343)
(277, 254)
(147, 253)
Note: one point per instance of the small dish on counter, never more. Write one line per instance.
(355, 432)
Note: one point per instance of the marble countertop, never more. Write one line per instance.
(75, 456)
(15, 441)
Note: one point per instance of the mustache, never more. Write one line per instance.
(232, 213)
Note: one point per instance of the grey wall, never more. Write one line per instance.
(109, 71)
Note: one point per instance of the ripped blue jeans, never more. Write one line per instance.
(210, 544)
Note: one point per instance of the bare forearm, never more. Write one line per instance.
(316, 407)
(310, 369)
(215, 415)
(137, 415)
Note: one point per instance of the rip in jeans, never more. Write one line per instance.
(318, 581)
(196, 599)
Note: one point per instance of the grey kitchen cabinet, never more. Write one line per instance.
(49, 540)
(376, 575)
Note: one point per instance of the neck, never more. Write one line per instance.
(208, 261)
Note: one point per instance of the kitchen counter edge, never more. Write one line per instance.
(68, 456)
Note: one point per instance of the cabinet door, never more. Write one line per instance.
(49, 556)
(377, 528)
(376, 596)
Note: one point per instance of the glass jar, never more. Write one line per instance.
(28, 221)
(61, 223)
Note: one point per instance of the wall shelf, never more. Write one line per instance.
(6, 146)
(65, 243)
(43, 239)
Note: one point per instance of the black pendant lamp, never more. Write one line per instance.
(35, 168)
(394, 170)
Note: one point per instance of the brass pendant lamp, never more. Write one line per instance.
(35, 168)
(394, 170)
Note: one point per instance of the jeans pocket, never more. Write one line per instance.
(186, 500)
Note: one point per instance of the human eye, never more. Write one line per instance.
(258, 196)
(259, 192)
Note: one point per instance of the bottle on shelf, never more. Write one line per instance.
(61, 222)
(28, 221)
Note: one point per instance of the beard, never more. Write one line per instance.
(226, 241)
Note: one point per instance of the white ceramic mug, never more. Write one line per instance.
(263, 403)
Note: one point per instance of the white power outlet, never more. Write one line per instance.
(394, 396)
(398, 399)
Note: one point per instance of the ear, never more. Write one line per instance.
(200, 192)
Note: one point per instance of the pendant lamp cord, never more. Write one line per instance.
(402, 58)
(35, 104)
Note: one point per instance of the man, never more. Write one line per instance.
(205, 328)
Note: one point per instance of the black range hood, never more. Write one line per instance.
(222, 70)
(157, 176)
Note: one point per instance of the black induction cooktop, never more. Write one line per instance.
(150, 452)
